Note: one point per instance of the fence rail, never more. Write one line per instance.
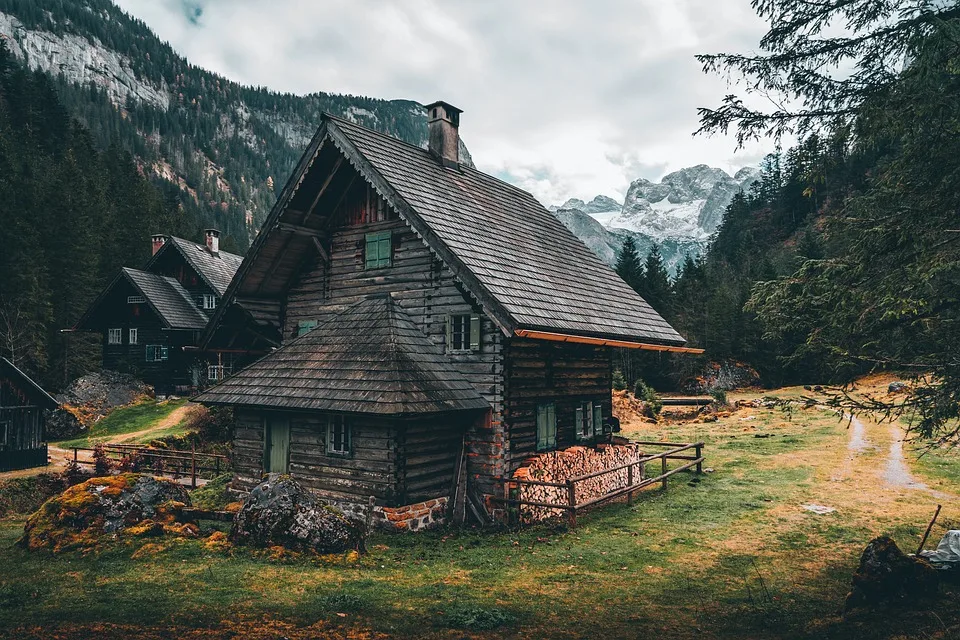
(637, 478)
(179, 464)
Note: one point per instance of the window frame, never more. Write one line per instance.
(216, 370)
(136, 300)
(588, 420)
(118, 332)
(469, 332)
(133, 335)
(335, 422)
(161, 353)
(209, 302)
(378, 240)
(546, 414)
(305, 326)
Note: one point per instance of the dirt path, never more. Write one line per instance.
(172, 420)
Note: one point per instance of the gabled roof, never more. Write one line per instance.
(515, 258)
(31, 388)
(370, 358)
(167, 297)
(216, 269)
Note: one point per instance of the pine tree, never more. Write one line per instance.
(655, 282)
(628, 265)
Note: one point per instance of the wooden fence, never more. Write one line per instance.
(637, 478)
(178, 464)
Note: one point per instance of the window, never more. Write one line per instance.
(209, 301)
(114, 336)
(463, 333)
(133, 336)
(214, 372)
(546, 426)
(589, 420)
(305, 326)
(157, 353)
(136, 299)
(379, 250)
(338, 436)
(4, 434)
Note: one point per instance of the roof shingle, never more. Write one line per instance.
(369, 358)
(168, 298)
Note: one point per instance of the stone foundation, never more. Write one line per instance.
(559, 466)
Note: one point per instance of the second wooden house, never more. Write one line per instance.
(439, 328)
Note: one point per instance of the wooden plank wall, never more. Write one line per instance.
(427, 453)
(428, 292)
(540, 371)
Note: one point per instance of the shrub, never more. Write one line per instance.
(649, 397)
(619, 382)
(130, 462)
(719, 396)
(101, 463)
(72, 474)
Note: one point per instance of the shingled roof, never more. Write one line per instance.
(36, 393)
(527, 270)
(216, 269)
(542, 275)
(370, 358)
(168, 299)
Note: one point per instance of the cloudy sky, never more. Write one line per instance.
(565, 98)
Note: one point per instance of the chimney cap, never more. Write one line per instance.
(211, 231)
(451, 112)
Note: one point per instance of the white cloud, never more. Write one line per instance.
(564, 98)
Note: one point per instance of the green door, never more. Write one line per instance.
(278, 445)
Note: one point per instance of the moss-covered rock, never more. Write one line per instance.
(131, 504)
(280, 512)
(887, 576)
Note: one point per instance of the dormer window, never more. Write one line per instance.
(209, 301)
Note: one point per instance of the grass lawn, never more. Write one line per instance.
(731, 554)
(130, 419)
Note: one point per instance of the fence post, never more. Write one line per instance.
(572, 500)
(193, 465)
(218, 464)
(74, 454)
(663, 460)
(699, 462)
(630, 484)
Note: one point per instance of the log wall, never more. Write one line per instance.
(566, 374)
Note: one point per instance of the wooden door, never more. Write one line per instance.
(277, 458)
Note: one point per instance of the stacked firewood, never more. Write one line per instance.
(560, 466)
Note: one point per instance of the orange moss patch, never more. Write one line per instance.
(217, 541)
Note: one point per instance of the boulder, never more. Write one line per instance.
(887, 576)
(897, 387)
(128, 503)
(93, 395)
(280, 512)
(62, 425)
(727, 375)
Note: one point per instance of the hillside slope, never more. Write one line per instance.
(221, 148)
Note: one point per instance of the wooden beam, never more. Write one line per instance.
(603, 342)
(323, 252)
(323, 188)
(298, 230)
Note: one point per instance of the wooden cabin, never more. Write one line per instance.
(151, 319)
(23, 407)
(498, 345)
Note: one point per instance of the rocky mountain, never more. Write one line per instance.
(218, 147)
(680, 213)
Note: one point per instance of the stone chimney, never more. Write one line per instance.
(157, 240)
(213, 241)
(444, 122)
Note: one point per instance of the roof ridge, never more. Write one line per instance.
(200, 244)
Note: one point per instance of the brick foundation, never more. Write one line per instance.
(412, 517)
(559, 466)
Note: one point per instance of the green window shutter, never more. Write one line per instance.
(552, 425)
(588, 411)
(378, 250)
(164, 353)
(578, 422)
(475, 333)
(541, 428)
(449, 334)
(305, 326)
(597, 419)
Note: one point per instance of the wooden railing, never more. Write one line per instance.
(178, 464)
(637, 477)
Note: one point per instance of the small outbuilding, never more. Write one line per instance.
(23, 407)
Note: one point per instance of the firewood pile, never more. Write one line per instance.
(560, 466)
